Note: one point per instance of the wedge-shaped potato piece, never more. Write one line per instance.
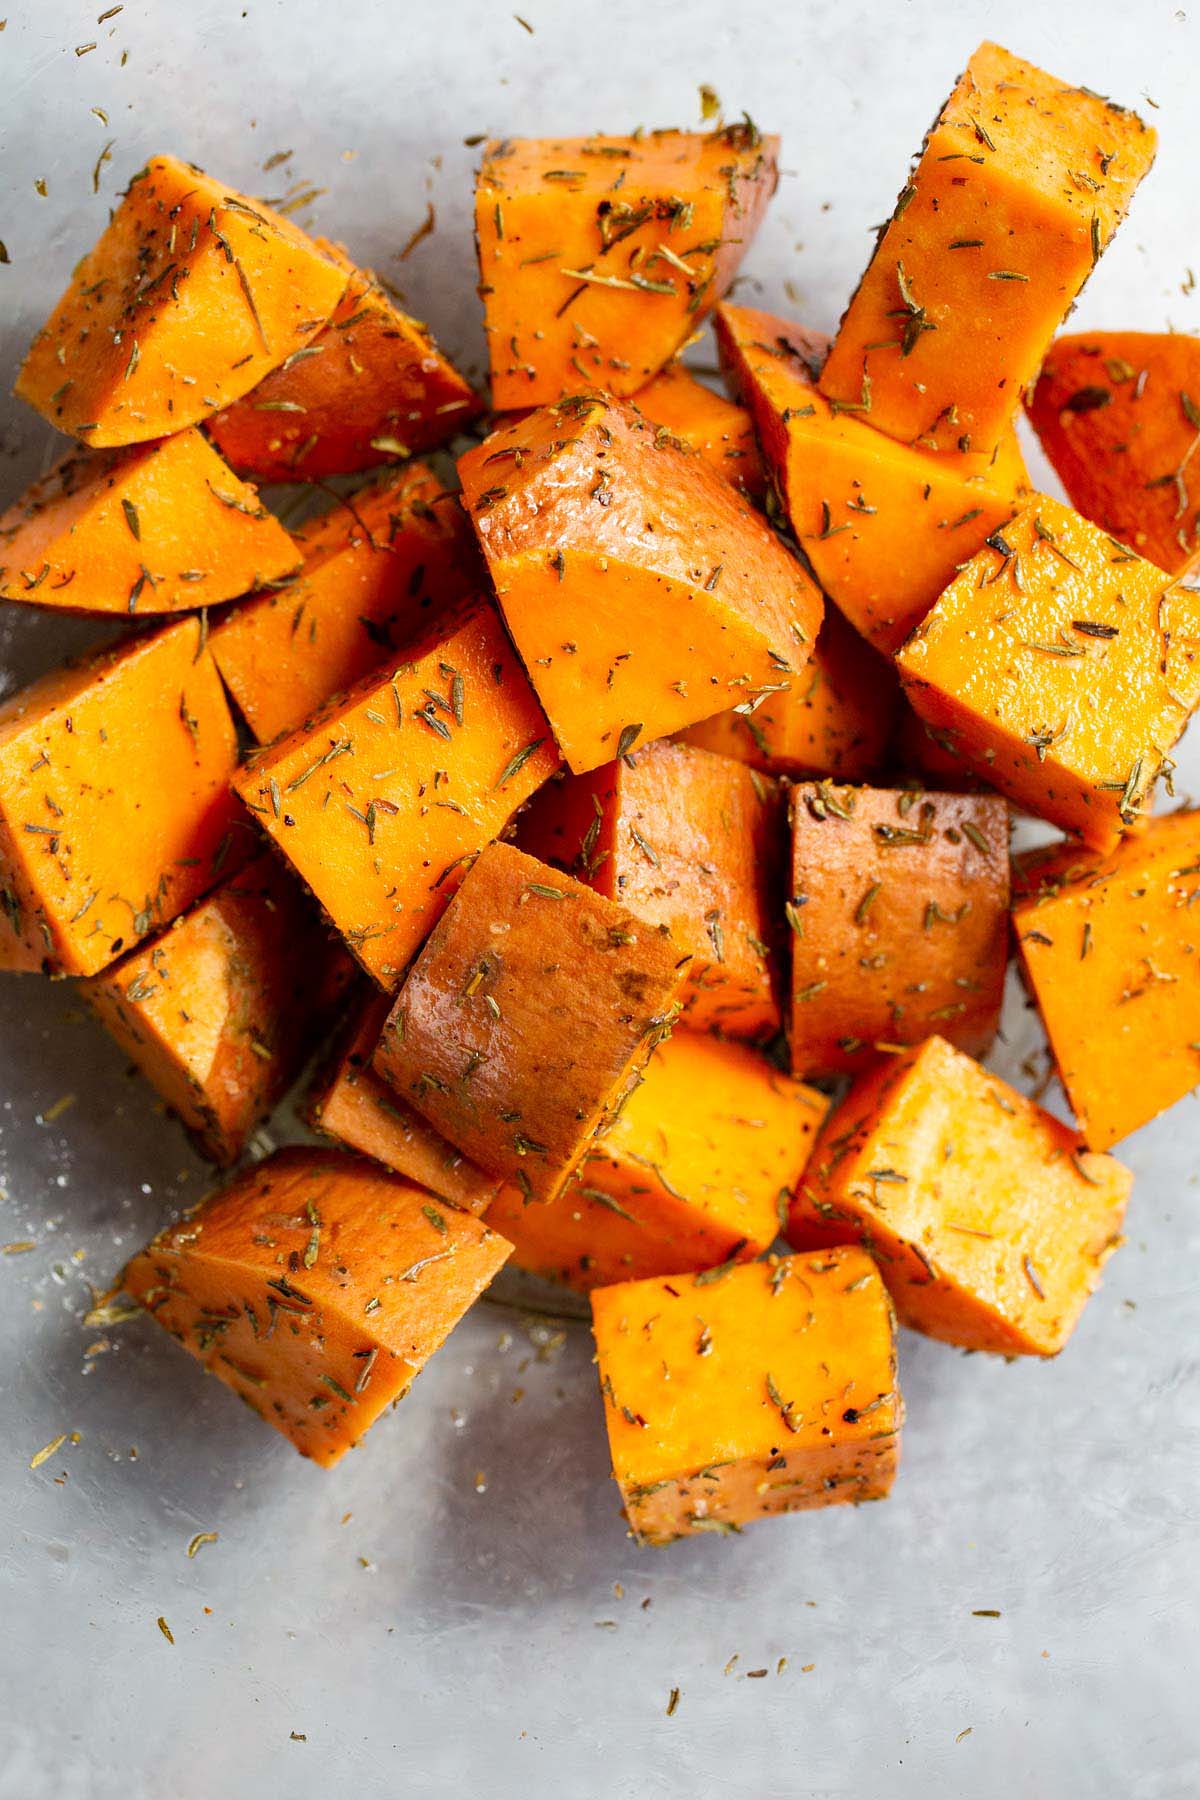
(190, 297)
(1118, 414)
(990, 1221)
(885, 525)
(380, 800)
(1109, 946)
(351, 1103)
(316, 1286)
(1019, 186)
(697, 1168)
(159, 528)
(115, 810)
(696, 418)
(526, 1020)
(692, 842)
(598, 257)
(371, 387)
(640, 590)
(1064, 666)
(221, 1012)
(899, 915)
(376, 570)
(743, 1392)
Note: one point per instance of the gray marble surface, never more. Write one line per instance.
(457, 1606)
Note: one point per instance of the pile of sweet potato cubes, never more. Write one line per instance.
(548, 798)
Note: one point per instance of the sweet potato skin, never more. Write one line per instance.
(316, 1286)
(769, 1389)
(527, 1017)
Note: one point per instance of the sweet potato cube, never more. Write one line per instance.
(525, 1021)
(316, 1286)
(1064, 666)
(922, 753)
(1117, 413)
(221, 1011)
(374, 573)
(381, 798)
(742, 1392)
(371, 387)
(696, 418)
(835, 719)
(899, 915)
(692, 842)
(885, 525)
(158, 528)
(115, 811)
(351, 1103)
(697, 1169)
(598, 257)
(189, 297)
(642, 592)
(988, 1218)
(1020, 184)
(1109, 947)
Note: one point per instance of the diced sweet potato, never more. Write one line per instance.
(1064, 665)
(697, 1168)
(1020, 184)
(739, 1393)
(190, 296)
(115, 811)
(369, 388)
(526, 1019)
(158, 528)
(835, 719)
(988, 1218)
(923, 753)
(376, 569)
(696, 418)
(1118, 414)
(350, 1102)
(221, 1012)
(316, 1286)
(689, 841)
(884, 525)
(380, 799)
(1109, 949)
(599, 256)
(642, 592)
(899, 915)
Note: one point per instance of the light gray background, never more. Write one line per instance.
(427, 1637)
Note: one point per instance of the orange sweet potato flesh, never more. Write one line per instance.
(380, 800)
(899, 914)
(601, 539)
(1065, 667)
(221, 1011)
(1020, 184)
(835, 719)
(884, 525)
(190, 296)
(769, 1389)
(598, 257)
(370, 387)
(527, 1018)
(115, 811)
(157, 528)
(1118, 414)
(988, 1218)
(316, 1286)
(376, 569)
(926, 754)
(689, 841)
(351, 1103)
(1108, 947)
(697, 1168)
(696, 418)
